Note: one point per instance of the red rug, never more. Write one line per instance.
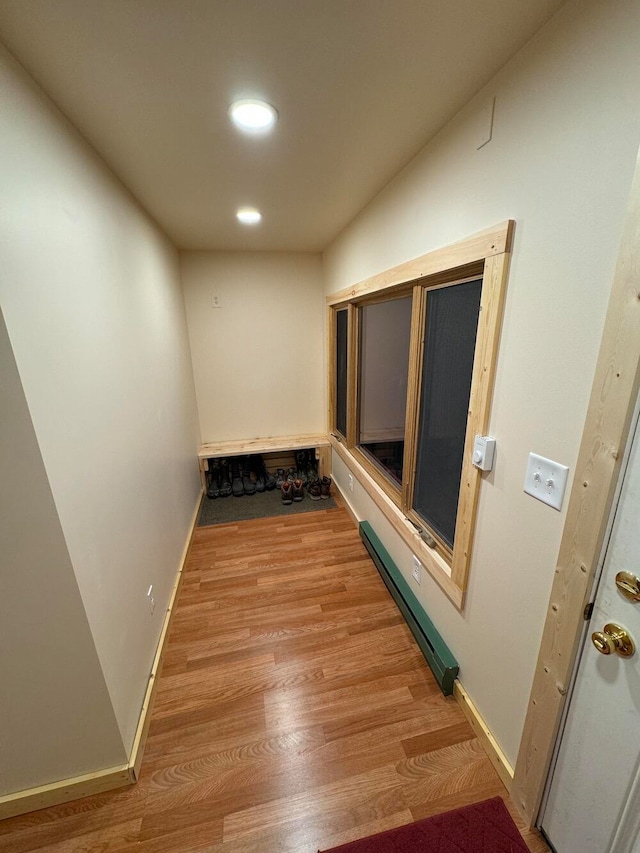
(481, 828)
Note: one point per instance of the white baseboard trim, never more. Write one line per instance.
(110, 778)
(490, 745)
(140, 739)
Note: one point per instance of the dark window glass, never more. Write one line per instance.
(450, 341)
(385, 331)
(342, 326)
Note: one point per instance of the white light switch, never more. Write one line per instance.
(546, 480)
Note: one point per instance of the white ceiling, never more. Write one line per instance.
(360, 86)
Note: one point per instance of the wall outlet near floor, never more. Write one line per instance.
(417, 569)
(152, 601)
(216, 302)
(350, 482)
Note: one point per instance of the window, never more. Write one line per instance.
(447, 365)
(423, 341)
(384, 336)
(340, 377)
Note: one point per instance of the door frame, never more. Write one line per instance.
(629, 820)
(609, 416)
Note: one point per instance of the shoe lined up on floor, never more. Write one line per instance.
(287, 492)
(237, 488)
(248, 485)
(247, 475)
(317, 489)
(314, 489)
(297, 490)
(238, 476)
(325, 488)
(217, 479)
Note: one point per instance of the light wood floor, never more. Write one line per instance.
(294, 711)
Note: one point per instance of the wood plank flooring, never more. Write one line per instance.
(294, 711)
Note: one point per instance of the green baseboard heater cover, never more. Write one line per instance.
(443, 664)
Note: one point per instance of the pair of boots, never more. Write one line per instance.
(307, 466)
(249, 475)
(292, 490)
(319, 489)
(316, 488)
(242, 475)
(218, 481)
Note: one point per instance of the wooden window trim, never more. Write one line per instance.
(377, 475)
(414, 388)
(493, 241)
(352, 374)
(332, 396)
(486, 254)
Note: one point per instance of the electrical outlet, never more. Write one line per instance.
(152, 601)
(350, 482)
(417, 570)
(216, 302)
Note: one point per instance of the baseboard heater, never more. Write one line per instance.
(443, 664)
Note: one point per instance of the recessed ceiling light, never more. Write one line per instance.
(249, 216)
(253, 116)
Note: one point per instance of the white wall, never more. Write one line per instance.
(258, 358)
(50, 675)
(92, 301)
(566, 134)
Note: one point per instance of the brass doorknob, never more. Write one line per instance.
(613, 638)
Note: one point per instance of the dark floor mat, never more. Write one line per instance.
(260, 505)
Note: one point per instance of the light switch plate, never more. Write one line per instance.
(546, 480)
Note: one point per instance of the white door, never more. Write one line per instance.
(594, 798)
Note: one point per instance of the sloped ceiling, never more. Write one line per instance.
(360, 87)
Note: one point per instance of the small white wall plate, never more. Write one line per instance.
(546, 480)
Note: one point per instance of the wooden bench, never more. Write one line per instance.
(274, 445)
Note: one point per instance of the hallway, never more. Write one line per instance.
(294, 711)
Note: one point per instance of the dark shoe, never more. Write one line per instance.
(225, 482)
(301, 465)
(258, 467)
(287, 492)
(213, 480)
(247, 483)
(291, 475)
(297, 491)
(325, 488)
(237, 489)
(312, 465)
(267, 479)
(280, 477)
(314, 489)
